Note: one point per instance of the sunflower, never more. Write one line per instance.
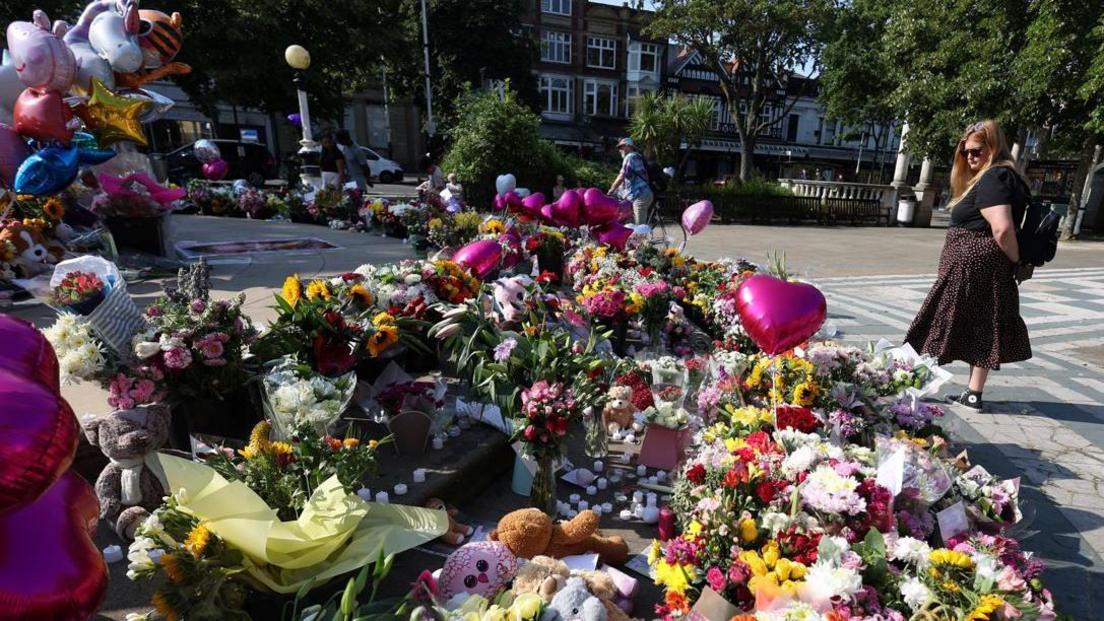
(198, 540)
(292, 290)
(161, 603)
(953, 558)
(54, 209)
(318, 289)
(173, 571)
(361, 295)
(383, 319)
(493, 226)
(988, 605)
(386, 335)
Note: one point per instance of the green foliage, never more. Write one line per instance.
(755, 186)
(587, 173)
(345, 605)
(661, 124)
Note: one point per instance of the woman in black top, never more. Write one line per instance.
(972, 312)
(332, 162)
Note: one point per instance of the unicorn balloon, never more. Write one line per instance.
(36, 58)
(105, 41)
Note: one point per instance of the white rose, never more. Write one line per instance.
(915, 593)
(146, 349)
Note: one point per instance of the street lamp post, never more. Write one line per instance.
(430, 126)
(298, 58)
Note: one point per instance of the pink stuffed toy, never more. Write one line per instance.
(510, 295)
(480, 568)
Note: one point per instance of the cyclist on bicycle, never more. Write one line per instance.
(634, 178)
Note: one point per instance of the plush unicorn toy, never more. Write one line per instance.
(105, 42)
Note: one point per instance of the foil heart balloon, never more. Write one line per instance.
(44, 115)
(532, 204)
(697, 217)
(482, 257)
(614, 235)
(38, 438)
(50, 568)
(505, 183)
(513, 200)
(599, 208)
(26, 353)
(568, 210)
(499, 202)
(546, 214)
(13, 152)
(215, 169)
(779, 315)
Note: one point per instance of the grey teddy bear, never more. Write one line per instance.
(574, 602)
(127, 490)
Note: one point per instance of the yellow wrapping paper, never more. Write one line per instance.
(336, 533)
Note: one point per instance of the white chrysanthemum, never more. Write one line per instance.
(774, 522)
(915, 594)
(910, 550)
(794, 611)
(800, 460)
(826, 581)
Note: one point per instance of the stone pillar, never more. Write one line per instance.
(1017, 152)
(900, 172)
(925, 195)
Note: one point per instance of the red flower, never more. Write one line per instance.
(736, 476)
(530, 433)
(332, 356)
(696, 474)
(425, 588)
(759, 441)
(333, 443)
(547, 277)
(794, 417)
(766, 491)
(557, 425)
(351, 277)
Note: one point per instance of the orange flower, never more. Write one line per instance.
(386, 335)
(677, 602)
(170, 563)
(351, 443)
(362, 295)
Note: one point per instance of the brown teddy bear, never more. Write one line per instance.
(546, 576)
(457, 532)
(530, 532)
(25, 249)
(618, 413)
(128, 491)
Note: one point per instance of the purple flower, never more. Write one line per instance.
(503, 350)
(198, 306)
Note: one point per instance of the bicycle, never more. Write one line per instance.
(658, 232)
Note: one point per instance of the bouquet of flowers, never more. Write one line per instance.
(253, 203)
(78, 291)
(453, 230)
(665, 414)
(295, 397)
(333, 204)
(450, 282)
(81, 356)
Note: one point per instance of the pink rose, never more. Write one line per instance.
(178, 358)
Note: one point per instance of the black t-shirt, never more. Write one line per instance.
(998, 186)
(329, 158)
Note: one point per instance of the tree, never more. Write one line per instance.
(662, 124)
(753, 46)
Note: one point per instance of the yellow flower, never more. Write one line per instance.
(950, 587)
(54, 209)
(163, 607)
(291, 290)
(674, 577)
(954, 558)
(526, 606)
(382, 319)
(771, 553)
(362, 295)
(804, 393)
(436, 223)
(653, 552)
(198, 540)
(279, 449)
(493, 226)
(170, 563)
(694, 528)
(351, 443)
(386, 335)
(372, 444)
(748, 530)
(754, 562)
(318, 289)
(986, 607)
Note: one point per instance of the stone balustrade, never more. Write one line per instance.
(886, 195)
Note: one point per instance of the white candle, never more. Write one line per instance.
(607, 507)
(630, 438)
(661, 475)
(652, 500)
(615, 478)
(574, 498)
(598, 465)
(638, 496)
(652, 481)
(638, 512)
(597, 509)
(438, 443)
(365, 494)
(572, 513)
(591, 490)
(113, 554)
(626, 515)
(602, 483)
(400, 489)
(381, 497)
(583, 505)
(620, 498)
(641, 470)
(454, 431)
(419, 475)
(562, 507)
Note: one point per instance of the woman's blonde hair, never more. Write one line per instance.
(990, 134)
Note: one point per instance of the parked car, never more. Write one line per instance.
(251, 161)
(387, 171)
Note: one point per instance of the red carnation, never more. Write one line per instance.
(766, 491)
(736, 476)
(530, 433)
(696, 474)
(794, 417)
(759, 441)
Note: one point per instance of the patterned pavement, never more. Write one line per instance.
(1044, 418)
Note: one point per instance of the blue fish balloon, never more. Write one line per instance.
(52, 169)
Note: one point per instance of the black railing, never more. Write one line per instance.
(771, 209)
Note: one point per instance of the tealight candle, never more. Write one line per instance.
(400, 489)
(661, 475)
(597, 509)
(572, 513)
(438, 443)
(113, 554)
(630, 438)
(615, 478)
(575, 498)
(419, 475)
(454, 431)
(638, 512)
(381, 497)
(652, 500)
(365, 494)
(607, 507)
(583, 505)
(626, 515)
(641, 470)
(598, 465)
(651, 481)
(620, 498)
(591, 490)
(638, 496)
(563, 508)
(602, 483)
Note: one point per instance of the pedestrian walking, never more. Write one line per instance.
(558, 189)
(972, 312)
(332, 163)
(355, 160)
(634, 177)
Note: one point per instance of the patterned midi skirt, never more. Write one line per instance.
(972, 312)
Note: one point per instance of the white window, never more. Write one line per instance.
(644, 57)
(601, 53)
(632, 92)
(556, 46)
(557, 94)
(600, 98)
(559, 7)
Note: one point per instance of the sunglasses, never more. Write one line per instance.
(972, 152)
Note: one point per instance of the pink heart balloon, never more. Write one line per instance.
(216, 169)
(546, 213)
(38, 438)
(697, 217)
(600, 208)
(613, 235)
(26, 353)
(512, 199)
(481, 257)
(531, 205)
(499, 202)
(50, 568)
(779, 315)
(568, 210)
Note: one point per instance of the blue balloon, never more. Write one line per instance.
(48, 171)
(91, 157)
(84, 140)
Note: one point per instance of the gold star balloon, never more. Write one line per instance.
(112, 117)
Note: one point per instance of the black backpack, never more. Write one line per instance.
(1038, 234)
(657, 181)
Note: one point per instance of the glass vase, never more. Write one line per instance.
(596, 442)
(669, 384)
(543, 493)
